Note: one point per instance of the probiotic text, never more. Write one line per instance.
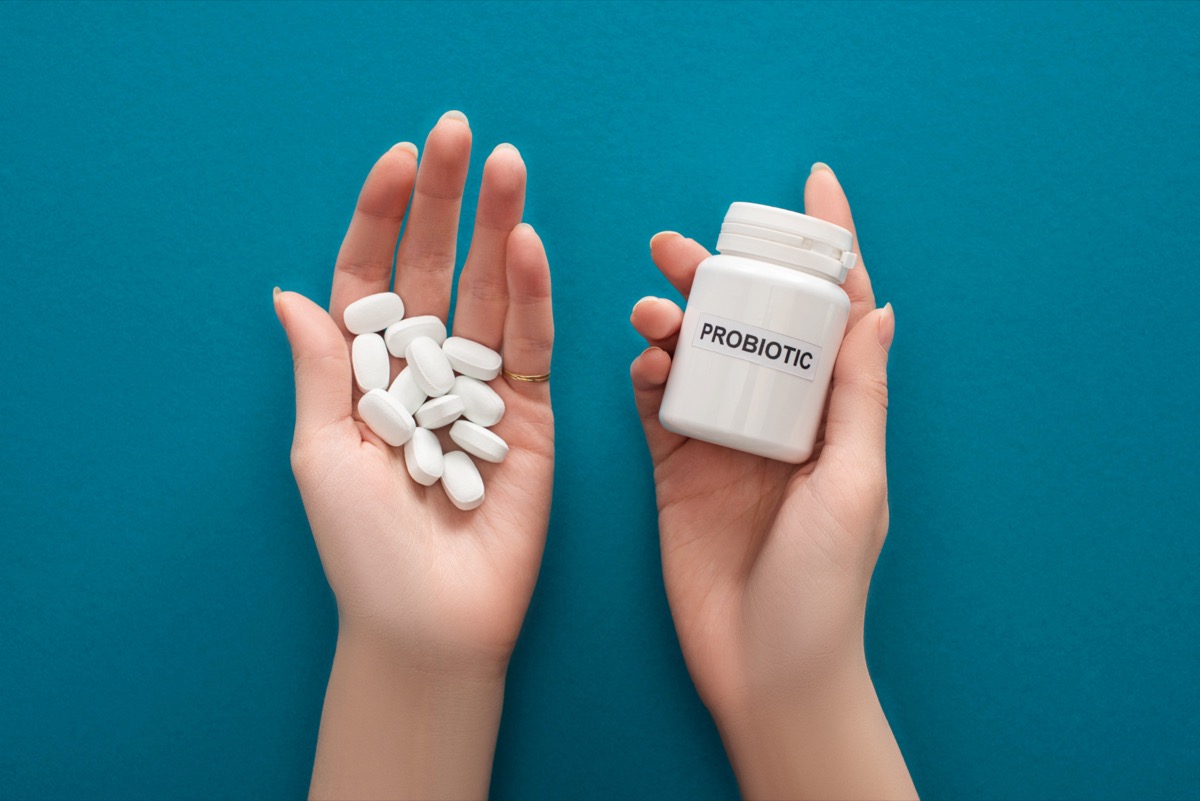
(760, 334)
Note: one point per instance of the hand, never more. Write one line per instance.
(423, 589)
(767, 564)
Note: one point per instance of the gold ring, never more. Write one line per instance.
(531, 378)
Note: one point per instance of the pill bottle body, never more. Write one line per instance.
(755, 357)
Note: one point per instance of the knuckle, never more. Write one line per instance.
(429, 258)
(357, 268)
(532, 293)
(877, 497)
(882, 515)
(483, 289)
(875, 388)
(535, 345)
(302, 458)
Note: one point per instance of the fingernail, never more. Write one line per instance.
(409, 146)
(275, 304)
(275, 294)
(643, 300)
(506, 146)
(819, 165)
(662, 233)
(887, 326)
(524, 225)
(456, 115)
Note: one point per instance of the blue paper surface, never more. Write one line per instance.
(1024, 182)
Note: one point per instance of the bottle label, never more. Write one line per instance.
(757, 345)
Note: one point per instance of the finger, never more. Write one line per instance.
(483, 287)
(658, 320)
(824, 198)
(857, 423)
(425, 260)
(364, 262)
(321, 360)
(529, 324)
(649, 376)
(677, 257)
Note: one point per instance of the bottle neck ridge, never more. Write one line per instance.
(807, 261)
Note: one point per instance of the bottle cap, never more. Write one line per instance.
(788, 238)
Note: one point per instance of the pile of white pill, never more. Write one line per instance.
(443, 384)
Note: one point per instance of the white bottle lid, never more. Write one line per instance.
(788, 238)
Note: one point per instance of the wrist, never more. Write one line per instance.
(761, 676)
(431, 692)
(820, 738)
(436, 662)
(392, 727)
(772, 698)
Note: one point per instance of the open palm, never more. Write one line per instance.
(448, 588)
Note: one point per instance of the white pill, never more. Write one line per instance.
(431, 369)
(400, 335)
(370, 358)
(470, 358)
(461, 480)
(405, 389)
(373, 313)
(478, 441)
(481, 404)
(438, 412)
(386, 417)
(423, 457)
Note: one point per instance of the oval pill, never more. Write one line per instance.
(400, 335)
(481, 404)
(373, 313)
(369, 356)
(438, 412)
(478, 441)
(386, 417)
(423, 457)
(405, 389)
(471, 358)
(431, 369)
(461, 481)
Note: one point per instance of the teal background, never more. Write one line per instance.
(1024, 180)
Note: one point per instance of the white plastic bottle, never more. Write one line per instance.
(760, 334)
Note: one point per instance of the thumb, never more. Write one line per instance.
(321, 360)
(857, 422)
